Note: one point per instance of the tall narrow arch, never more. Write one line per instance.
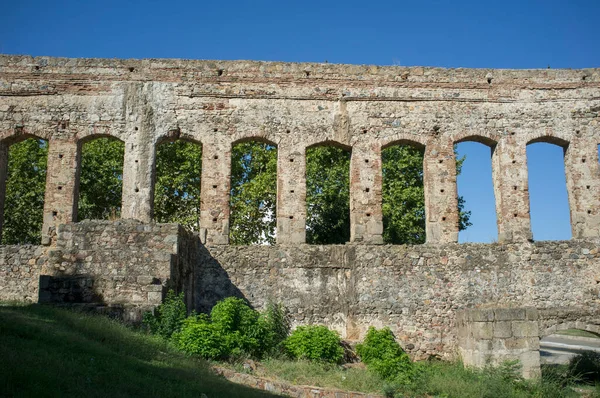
(24, 170)
(253, 196)
(475, 187)
(328, 193)
(403, 193)
(548, 196)
(177, 182)
(100, 182)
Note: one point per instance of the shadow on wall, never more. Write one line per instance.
(71, 289)
(212, 283)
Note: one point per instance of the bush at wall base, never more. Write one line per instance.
(383, 355)
(316, 343)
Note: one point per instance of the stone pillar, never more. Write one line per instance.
(3, 177)
(492, 336)
(138, 178)
(511, 190)
(583, 186)
(291, 194)
(62, 185)
(441, 202)
(366, 217)
(214, 195)
(140, 152)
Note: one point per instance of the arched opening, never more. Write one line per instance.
(403, 194)
(549, 203)
(100, 179)
(476, 187)
(177, 183)
(562, 345)
(25, 189)
(253, 198)
(328, 194)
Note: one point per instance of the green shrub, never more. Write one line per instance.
(200, 337)
(238, 325)
(234, 314)
(585, 367)
(167, 317)
(316, 343)
(383, 355)
(274, 327)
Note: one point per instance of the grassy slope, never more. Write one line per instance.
(51, 352)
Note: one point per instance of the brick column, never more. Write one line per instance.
(441, 202)
(62, 185)
(583, 186)
(3, 176)
(291, 194)
(214, 196)
(138, 177)
(511, 190)
(366, 218)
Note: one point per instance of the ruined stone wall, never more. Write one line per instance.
(123, 263)
(295, 106)
(20, 270)
(416, 290)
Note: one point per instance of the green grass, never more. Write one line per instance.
(436, 379)
(323, 375)
(578, 333)
(52, 352)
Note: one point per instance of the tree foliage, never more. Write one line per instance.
(403, 195)
(25, 187)
(327, 195)
(101, 179)
(177, 188)
(253, 193)
(253, 190)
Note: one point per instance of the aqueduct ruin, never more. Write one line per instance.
(417, 290)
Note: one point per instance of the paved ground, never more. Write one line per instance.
(557, 349)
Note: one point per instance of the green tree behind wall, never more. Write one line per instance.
(25, 186)
(253, 193)
(101, 179)
(177, 187)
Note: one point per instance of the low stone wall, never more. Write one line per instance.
(20, 270)
(416, 290)
(493, 336)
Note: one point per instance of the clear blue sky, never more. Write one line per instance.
(479, 34)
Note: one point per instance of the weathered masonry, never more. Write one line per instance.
(296, 106)
(416, 290)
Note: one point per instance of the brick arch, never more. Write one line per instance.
(588, 327)
(15, 138)
(171, 137)
(265, 138)
(87, 136)
(549, 139)
(328, 142)
(488, 140)
(416, 141)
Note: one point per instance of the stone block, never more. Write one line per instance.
(482, 330)
(145, 279)
(525, 329)
(154, 297)
(509, 314)
(502, 329)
